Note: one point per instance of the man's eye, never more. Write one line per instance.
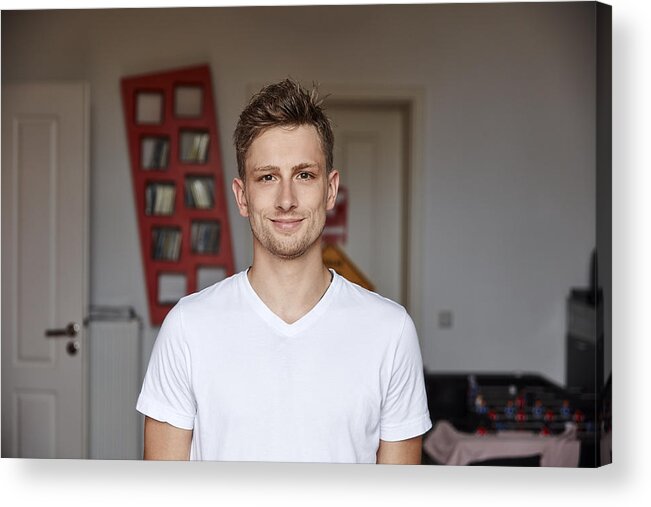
(305, 176)
(267, 177)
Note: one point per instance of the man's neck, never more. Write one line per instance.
(289, 288)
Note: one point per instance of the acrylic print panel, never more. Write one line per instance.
(513, 183)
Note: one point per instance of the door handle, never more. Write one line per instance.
(70, 330)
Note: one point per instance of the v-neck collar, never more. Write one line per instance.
(279, 324)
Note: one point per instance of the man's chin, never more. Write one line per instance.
(288, 253)
(288, 256)
(282, 247)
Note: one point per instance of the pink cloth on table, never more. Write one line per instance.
(449, 446)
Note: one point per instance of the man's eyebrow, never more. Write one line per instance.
(265, 168)
(305, 165)
(302, 165)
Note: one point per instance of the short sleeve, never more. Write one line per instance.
(166, 393)
(404, 411)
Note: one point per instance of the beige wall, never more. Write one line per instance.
(509, 164)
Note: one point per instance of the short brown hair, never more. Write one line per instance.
(282, 104)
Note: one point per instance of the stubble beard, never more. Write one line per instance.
(287, 247)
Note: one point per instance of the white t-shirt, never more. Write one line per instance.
(326, 388)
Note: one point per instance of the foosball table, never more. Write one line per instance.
(492, 404)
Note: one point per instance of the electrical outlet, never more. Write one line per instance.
(445, 319)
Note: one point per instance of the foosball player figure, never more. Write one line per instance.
(549, 415)
(566, 411)
(480, 405)
(509, 410)
(538, 410)
(521, 416)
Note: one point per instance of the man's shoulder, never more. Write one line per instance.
(363, 301)
(222, 290)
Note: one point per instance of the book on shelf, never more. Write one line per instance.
(160, 153)
(167, 244)
(205, 237)
(149, 198)
(176, 246)
(202, 154)
(199, 193)
(155, 151)
(194, 147)
(169, 192)
(159, 198)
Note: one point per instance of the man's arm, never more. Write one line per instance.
(166, 442)
(403, 452)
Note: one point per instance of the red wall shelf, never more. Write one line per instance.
(177, 106)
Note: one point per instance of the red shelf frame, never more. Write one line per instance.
(171, 126)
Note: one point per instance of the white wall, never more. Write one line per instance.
(509, 172)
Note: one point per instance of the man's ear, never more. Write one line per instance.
(240, 197)
(333, 187)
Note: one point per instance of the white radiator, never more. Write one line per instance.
(114, 372)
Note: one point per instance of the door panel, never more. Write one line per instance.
(35, 423)
(34, 204)
(44, 268)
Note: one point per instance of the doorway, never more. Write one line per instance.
(45, 177)
(371, 156)
(410, 105)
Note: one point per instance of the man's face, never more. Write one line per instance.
(287, 191)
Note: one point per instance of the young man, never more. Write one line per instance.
(286, 361)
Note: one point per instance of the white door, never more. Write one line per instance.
(44, 268)
(369, 153)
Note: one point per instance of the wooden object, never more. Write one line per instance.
(335, 258)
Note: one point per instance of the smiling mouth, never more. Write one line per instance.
(285, 224)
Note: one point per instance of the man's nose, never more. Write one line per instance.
(286, 199)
